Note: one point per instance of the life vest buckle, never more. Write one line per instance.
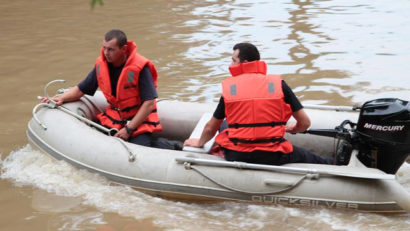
(234, 141)
(115, 108)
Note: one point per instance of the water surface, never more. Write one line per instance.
(330, 52)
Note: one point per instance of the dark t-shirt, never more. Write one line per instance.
(146, 85)
(290, 98)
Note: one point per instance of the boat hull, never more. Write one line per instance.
(158, 171)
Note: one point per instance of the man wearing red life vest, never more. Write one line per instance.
(128, 82)
(257, 107)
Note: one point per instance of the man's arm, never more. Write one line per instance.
(148, 95)
(71, 95)
(302, 122)
(302, 119)
(142, 114)
(209, 131)
(88, 86)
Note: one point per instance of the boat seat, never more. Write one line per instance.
(196, 133)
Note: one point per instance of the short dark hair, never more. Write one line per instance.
(118, 34)
(247, 51)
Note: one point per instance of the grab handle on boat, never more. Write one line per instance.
(52, 104)
(50, 83)
(131, 155)
(34, 114)
(287, 185)
(109, 132)
(332, 108)
(243, 165)
(284, 169)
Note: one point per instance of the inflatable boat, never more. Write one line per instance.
(355, 136)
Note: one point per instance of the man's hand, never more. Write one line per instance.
(123, 134)
(71, 95)
(193, 142)
(59, 101)
(290, 128)
(209, 131)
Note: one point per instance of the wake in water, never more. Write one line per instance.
(32, 168)
(403, 175)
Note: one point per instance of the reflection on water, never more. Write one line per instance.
(305, 35)
(327, 51)
(337, 52)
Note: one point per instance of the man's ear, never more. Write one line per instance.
(124, 48)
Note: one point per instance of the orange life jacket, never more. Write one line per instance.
(255, 110)
(127, 101)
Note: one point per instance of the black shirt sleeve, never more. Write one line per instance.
(290, 97)
(220, 109)
(89, 85)
(146, 85)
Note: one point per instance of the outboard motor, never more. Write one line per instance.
(383, 134)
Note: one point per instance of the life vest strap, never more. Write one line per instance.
(127, 109)
(271, 140)
(125, 121)
(272, 124)
(114, 121)
(151, 123)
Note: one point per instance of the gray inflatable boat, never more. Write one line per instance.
(68, 133)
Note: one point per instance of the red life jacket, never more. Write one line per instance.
(127, 101)
(255, 110)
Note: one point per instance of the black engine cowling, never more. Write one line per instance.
(383, 134)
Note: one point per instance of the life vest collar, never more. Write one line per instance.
(248, 67)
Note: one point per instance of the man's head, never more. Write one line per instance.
(244, 52)
(115, 47)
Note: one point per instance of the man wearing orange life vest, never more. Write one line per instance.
(128, 82)
(257, 107)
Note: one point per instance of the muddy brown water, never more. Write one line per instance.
(330, 52)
